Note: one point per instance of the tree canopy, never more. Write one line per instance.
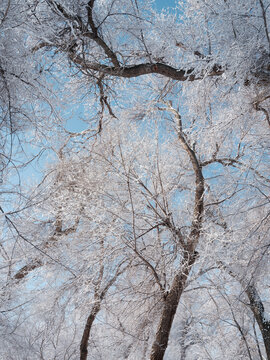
(144, 233)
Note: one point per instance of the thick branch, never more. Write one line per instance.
(25, 270)
(234, 162)
(199, 183)
(108, 51)
(131, 71)
(264, 15)
(90, 7)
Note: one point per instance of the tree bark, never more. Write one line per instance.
(131, 71)
(172, 299)
(86, 333)
(257, 308)
(170, 306)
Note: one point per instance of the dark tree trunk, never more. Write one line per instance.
(87, 329)
(257, 308)
(170, 306)
(172, 299)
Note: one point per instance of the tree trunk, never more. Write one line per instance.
(257, 308)
(87, 329)
(170, 306)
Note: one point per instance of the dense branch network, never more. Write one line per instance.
(144, 208)
(117, 69)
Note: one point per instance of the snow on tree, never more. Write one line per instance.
(148, 237)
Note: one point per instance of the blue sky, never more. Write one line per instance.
(165, 3)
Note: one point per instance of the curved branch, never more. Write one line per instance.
(131, 71)
(258, 107)
(234, 162)
(199, 182)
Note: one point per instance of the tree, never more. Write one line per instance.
(163, 196)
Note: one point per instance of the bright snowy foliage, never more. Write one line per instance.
(148, 238)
